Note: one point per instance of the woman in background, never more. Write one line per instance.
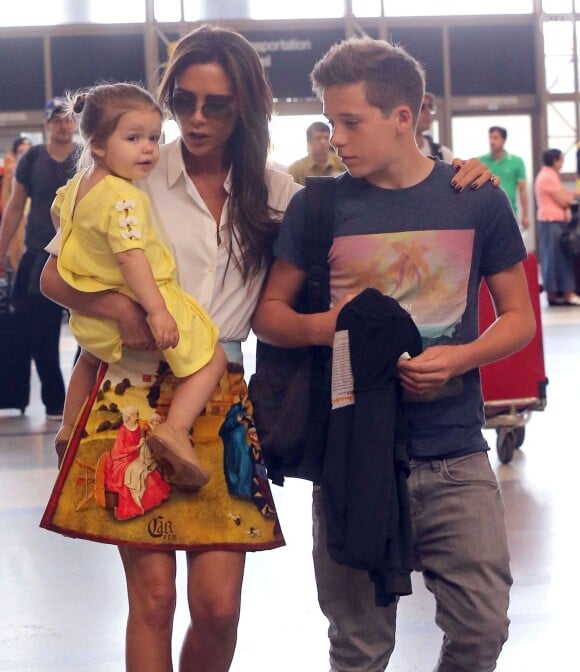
(553, 214)
(20, 145)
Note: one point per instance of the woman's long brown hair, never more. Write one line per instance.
(252, 223)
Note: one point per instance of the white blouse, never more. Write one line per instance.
(187, 227)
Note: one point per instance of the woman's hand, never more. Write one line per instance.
(133, 327)
(472, 173)
(106, 305)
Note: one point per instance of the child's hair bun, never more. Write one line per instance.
(79, 103)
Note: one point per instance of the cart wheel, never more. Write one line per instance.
(520, 435)
(506, 444)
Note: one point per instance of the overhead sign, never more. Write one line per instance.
(289, 56)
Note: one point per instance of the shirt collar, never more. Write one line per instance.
(176, 166)
(313, 165)
(505, 156)
(175, 163)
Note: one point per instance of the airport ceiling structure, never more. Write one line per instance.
(513, 57)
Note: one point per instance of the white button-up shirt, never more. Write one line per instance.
(186, 225)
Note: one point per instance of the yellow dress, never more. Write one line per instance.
(114, 216)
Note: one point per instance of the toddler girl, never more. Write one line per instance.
(108, 243)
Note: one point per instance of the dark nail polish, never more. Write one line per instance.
(475, 186)
(458, 188)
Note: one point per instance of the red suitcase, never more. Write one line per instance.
(514, 386)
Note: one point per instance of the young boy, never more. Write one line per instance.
(401, 229)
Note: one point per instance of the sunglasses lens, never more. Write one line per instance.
(216, 109)
(183, 104)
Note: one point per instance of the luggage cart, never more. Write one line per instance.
(515, 386)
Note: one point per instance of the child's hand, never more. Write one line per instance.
(164, 329)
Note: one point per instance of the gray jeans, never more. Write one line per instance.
(461, 548)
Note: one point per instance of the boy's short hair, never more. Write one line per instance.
(392, 76)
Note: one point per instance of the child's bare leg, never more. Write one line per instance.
(193, 392)
(171, 439)
(80, 385)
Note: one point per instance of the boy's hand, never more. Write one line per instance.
(430, 370)
(329, 318)
(164, 329)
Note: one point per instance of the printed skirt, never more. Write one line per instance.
(112, 489)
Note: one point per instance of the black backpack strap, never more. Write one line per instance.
(434, 147)
(319, 233)
(436, 150)
(319, 223)
(283, 373)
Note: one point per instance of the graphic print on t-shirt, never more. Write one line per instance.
(427, 272)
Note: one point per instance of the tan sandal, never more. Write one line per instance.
(164, 442)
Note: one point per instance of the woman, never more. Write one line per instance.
(20, 145)
(216, 205)
(553, 214)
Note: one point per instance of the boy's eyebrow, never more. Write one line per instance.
(346, 114)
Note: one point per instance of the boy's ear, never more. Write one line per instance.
(405, 119)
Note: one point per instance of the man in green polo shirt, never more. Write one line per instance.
(510, 168)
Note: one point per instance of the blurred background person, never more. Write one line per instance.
(20, 145)
(321, 159)
(553, 215)
(512, 171)
(39, 173)
(425, 142)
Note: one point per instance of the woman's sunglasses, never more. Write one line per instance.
(183, 103)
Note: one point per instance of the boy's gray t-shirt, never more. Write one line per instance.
(427, 247)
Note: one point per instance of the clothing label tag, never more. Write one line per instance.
(342, 378)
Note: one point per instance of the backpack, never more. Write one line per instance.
(434, 146)
(290, 391)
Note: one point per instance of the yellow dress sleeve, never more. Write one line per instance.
(129, 220)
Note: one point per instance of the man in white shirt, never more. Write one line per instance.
(425, 142)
